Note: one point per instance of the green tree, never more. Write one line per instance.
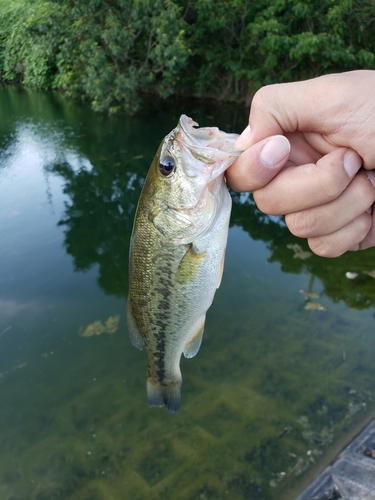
(111, 52)
(239, 46)
(30, 36)
(115, 49)
(105, 52)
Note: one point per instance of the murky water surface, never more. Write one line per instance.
(281, 377)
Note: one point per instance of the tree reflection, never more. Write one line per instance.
(358, 293)
(98, 221)
(102, 196)
(99, 218)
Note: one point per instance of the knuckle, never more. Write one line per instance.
(323, 247)
(260, 98)
(331, 188)
(366, 189)
(363, 226)
(267, 100)
(334, 245)
(266, 202)
(302, 224)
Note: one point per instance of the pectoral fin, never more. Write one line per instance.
(189, 265)
(192, 347)
(135, 337)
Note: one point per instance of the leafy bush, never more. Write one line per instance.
(239, 46)
(29, 43)
(115, 49)
(111, 51)
(105, 52)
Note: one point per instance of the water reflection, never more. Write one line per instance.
(103, 181)
(358, 293)
(273, 386)
(99, 217)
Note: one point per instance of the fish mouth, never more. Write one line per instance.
(208, 145)
(211, 138)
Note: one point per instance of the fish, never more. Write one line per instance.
(177, 251)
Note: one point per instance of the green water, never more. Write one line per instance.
(275, 387)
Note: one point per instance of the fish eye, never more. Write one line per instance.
(166, 165)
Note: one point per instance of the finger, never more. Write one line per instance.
(301, 151)
(302, 106)
(332, 111)
(256, 166)
(328, 218)
(369, 240)
(339, 242)
(307, 186)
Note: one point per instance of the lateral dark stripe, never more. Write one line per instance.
(162, 317)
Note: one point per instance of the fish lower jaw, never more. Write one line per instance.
(167, 395)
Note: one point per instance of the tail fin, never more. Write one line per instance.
(164, 395)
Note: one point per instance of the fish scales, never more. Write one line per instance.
(177, 251)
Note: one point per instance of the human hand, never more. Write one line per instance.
(323, 199)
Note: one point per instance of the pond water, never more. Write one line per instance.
(282, 380)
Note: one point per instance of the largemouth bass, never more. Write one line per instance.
(177, 251)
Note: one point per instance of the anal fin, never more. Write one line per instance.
(193, 345)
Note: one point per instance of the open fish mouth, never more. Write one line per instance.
(209, 145)
(206, 138)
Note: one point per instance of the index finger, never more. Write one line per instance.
(311, 185)
(332, 111)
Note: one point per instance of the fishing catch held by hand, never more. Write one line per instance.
(177, 251)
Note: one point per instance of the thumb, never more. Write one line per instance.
(258, 164)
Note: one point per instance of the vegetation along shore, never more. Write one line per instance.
(111, 52)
